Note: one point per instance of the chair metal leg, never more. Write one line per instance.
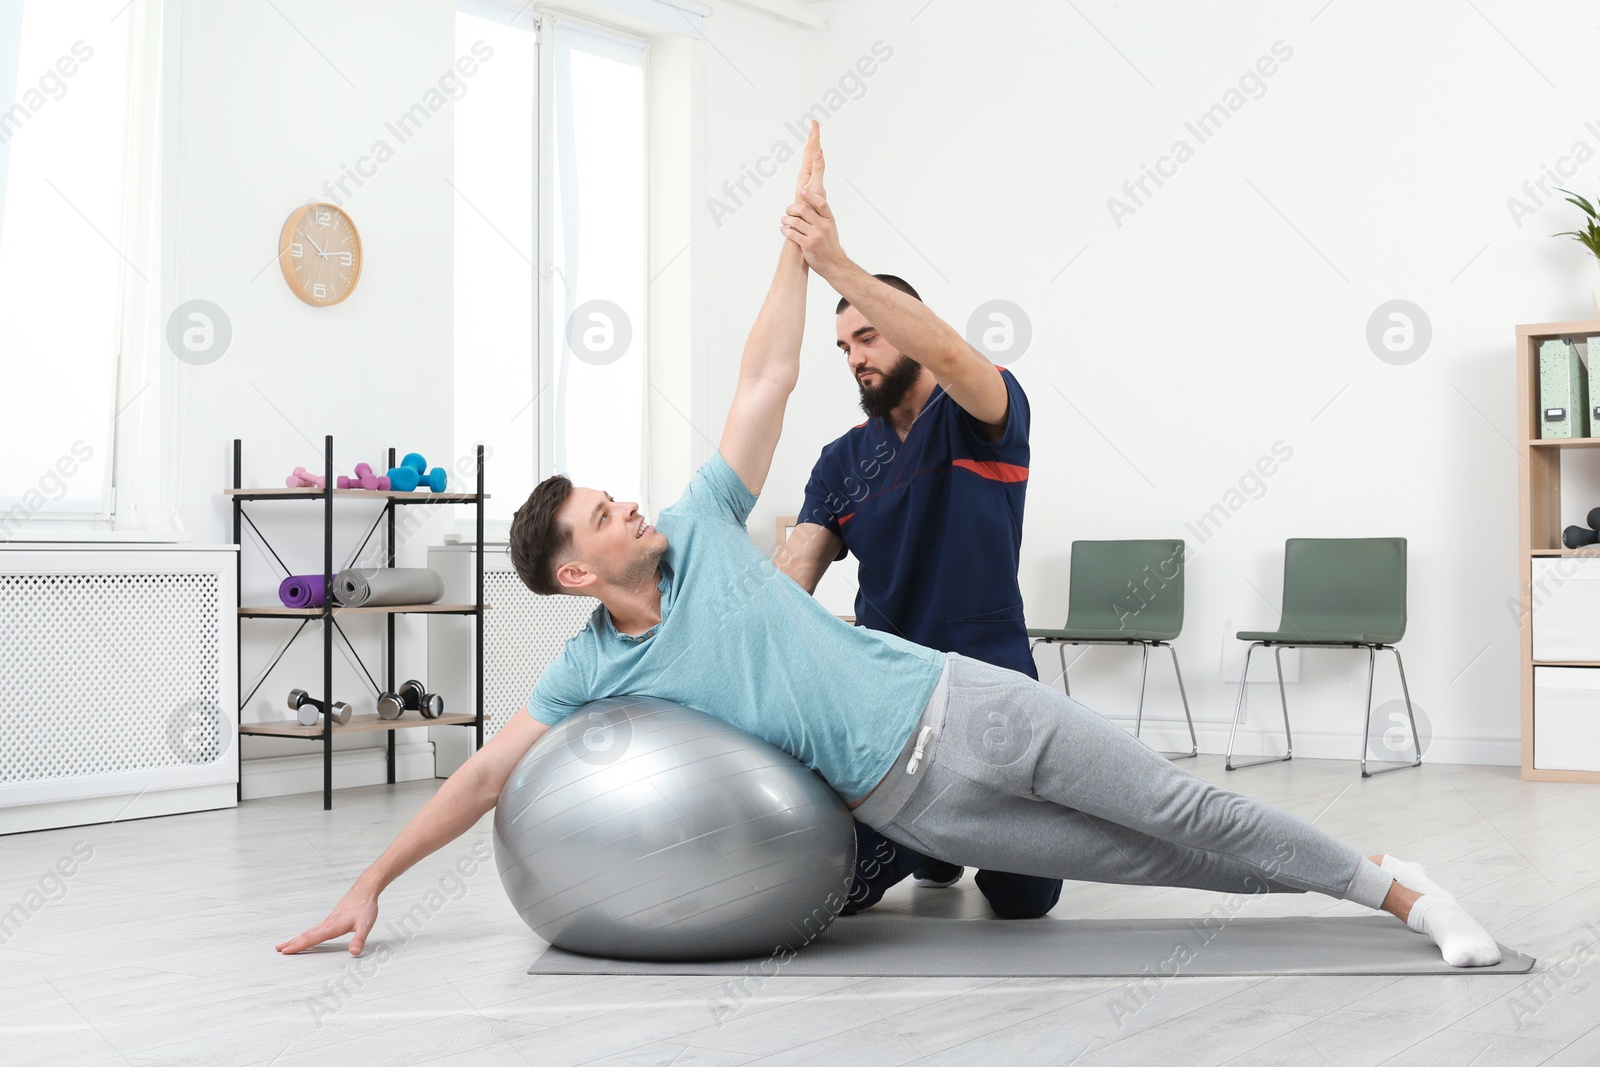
(1283, 701)
(1144, 665)
(1416, 741)
(1239, 712)
(1238, 708)
(1144, 673)
(1061, 649)
(1194, 742)
(1366, 723)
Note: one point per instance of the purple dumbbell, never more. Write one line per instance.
(364, 479)
(303, 479)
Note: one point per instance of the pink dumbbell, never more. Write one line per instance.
(364, 479)
(303, 479)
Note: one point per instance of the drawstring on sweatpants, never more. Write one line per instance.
(916, 753)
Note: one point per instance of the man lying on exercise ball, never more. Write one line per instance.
(954, 758)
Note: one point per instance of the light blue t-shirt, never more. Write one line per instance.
(740, 641)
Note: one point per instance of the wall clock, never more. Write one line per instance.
(320, 253)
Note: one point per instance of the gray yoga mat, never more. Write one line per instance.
(359, 587)
(872, 946)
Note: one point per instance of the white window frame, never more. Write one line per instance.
(111, 519)
(520, 15)
(680, 16)
(545, 133)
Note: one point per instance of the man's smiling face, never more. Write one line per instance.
(612, 538)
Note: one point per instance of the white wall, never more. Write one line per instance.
(271, 106)
(1229, 311)
(1225, 314)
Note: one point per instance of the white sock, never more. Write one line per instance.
(1462, 942)
(1413, 877)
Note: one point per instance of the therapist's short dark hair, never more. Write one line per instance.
(892, 281)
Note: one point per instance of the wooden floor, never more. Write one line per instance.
(158, 950)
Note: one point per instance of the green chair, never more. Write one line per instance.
(1338, 592)
(1125, 593)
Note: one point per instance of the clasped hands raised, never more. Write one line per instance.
(809, 222)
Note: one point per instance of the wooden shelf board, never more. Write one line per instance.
(1535, 774)
(1565, 663)
(358, 724)
(1558, 329)
(285, 493)
(1586, 551)
(386, 609)
(1565, 442)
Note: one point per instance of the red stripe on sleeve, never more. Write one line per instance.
(995, 472)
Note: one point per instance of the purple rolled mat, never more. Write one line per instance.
(303, 590)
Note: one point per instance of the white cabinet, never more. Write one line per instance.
(1566, 610)
(1566, 718)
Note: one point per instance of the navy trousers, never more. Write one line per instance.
(880, 864)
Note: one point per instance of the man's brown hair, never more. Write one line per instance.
(539, 539)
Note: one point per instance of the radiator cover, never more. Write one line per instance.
(119, 671)
(523, 633)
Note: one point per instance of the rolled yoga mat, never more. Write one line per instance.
(865, 945)
(381, 586)
(303, 590)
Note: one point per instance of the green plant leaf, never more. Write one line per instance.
(1577, 201)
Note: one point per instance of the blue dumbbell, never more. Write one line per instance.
(413, 472)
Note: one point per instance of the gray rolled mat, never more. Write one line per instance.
(359, 587)
(872, 946)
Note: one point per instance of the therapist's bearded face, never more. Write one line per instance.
(882, 391)
(882, 373)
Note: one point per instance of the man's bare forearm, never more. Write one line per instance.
(772, 349)
(806, 555)
(767, 374)
(448, 814)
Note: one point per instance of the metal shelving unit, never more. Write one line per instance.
(329, 613)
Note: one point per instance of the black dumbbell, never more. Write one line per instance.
(412, 696)
(1578, 537)
(308, 709)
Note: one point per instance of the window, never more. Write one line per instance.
(550, 168)
(495, 282)
(594, 339)
(64, 87)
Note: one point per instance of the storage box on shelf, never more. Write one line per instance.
(1560, 597)
(330, 611)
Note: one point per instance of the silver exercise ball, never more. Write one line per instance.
(639, 829)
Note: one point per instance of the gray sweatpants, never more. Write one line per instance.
(1006, 773)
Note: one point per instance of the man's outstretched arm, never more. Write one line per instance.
(771, 363)
(463, 799)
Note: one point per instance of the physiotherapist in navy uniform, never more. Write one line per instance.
(928, 495)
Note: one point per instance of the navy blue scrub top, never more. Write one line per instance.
(935, 522)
